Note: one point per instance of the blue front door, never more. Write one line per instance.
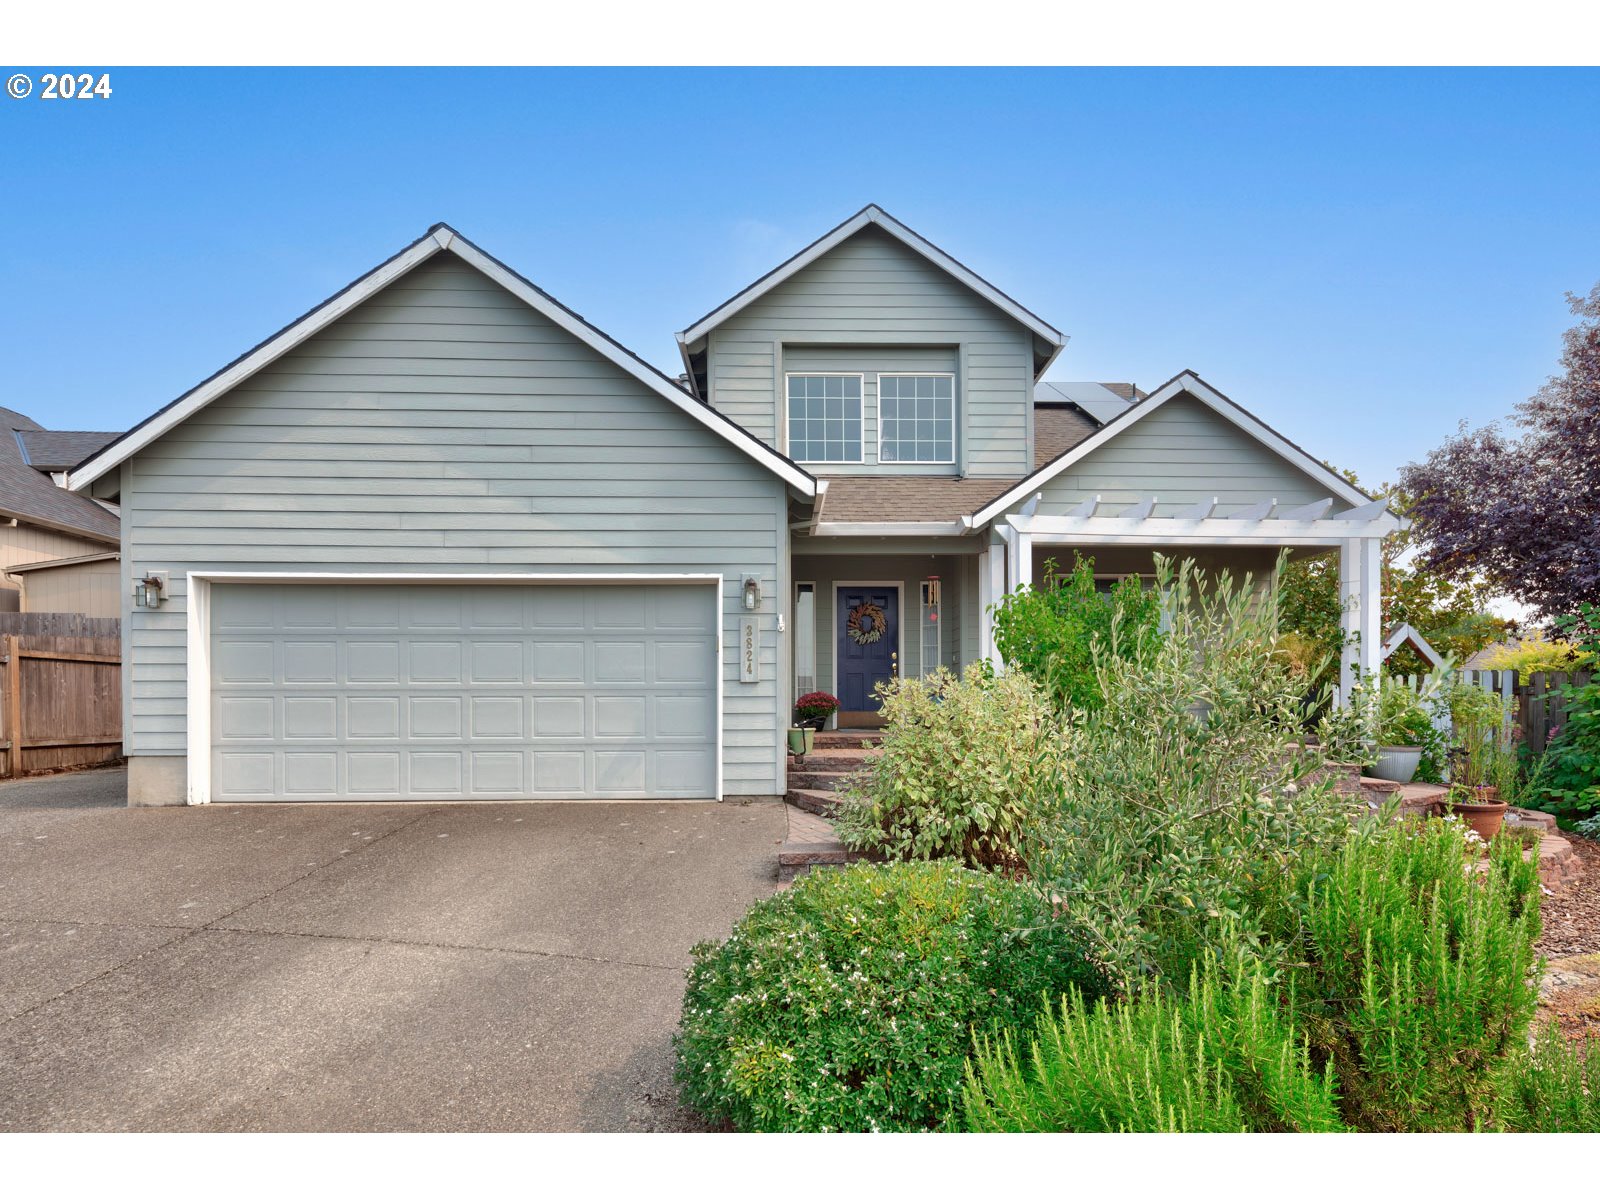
(869, 642)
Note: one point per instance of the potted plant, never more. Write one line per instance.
(1403, 727)
(813, 709)
(1480, 807)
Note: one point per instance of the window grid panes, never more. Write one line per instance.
(916, 418)
(825, 418)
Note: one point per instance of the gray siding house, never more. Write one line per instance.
(442, 539)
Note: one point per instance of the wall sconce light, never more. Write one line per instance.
(752, 593)
(150, 591)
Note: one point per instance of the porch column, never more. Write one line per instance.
(1361, 609)
(991, 587)
(1019, 557)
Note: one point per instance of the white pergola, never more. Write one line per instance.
(1007, 563)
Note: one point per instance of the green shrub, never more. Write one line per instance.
(1051, 632)
(1187, 798)
(960, 763)
(1552, 1086)
(1416, 976)
(1223, 1058)
(1537, 652)
(1566, 780)
(848, 1001)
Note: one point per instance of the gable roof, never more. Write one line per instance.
(873, 215)
(1186, 383)
(32, 497)
(439, 239)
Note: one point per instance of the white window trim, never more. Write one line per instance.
(862, 441)
(954, 424)
(198, 604)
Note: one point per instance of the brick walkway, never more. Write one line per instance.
(808, 827)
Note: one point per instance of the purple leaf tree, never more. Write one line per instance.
(1522, 508)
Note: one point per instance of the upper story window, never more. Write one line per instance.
(916, 418)
(825, 418)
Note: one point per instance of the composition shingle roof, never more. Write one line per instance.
(907, 497)
(30, 495)
(1057, 429)
(59, 449)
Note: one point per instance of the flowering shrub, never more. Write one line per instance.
(815, 708)
(848, 1001)
(960, 762)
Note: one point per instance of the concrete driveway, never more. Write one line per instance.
(354, 967)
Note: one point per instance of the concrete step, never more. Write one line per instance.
(819, 781)
(824, 804)
(847, 739)
(838, 759)
(796, 858)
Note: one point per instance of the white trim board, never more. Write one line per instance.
(873, 215)
(198, 640)
(1185, 384)
(438, 239)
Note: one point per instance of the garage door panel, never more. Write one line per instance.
(244, 718)
(310, 717)
(490, 692)
(373, 773)
(497, 662)
(372, 662)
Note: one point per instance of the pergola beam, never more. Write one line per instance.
(1215, 531)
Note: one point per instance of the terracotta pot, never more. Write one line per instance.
(1483, 818)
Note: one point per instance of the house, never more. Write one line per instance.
(441, 538)
(58, 549)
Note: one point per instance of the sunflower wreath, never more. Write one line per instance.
(865, 623)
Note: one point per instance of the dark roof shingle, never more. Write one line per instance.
(30, 495)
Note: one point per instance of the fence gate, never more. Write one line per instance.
(60, 691)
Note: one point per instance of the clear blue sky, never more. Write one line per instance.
(1362, 258)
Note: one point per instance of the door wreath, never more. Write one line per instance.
(865, 623)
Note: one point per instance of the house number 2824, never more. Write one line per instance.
(749, 651)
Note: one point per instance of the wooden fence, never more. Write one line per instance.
(1537, 706)
(60, 691)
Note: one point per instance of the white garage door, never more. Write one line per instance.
(462, 692)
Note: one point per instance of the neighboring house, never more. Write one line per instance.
(441, 538)
(58, 549)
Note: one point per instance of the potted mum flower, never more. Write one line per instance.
(814, 708)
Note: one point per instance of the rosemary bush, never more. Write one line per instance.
(1415, 976)
(1222, 1058)
(1552, 1086)
(848, 1001)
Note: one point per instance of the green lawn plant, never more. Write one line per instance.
(960, 765)
(1566, 781)
(848, 1001)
